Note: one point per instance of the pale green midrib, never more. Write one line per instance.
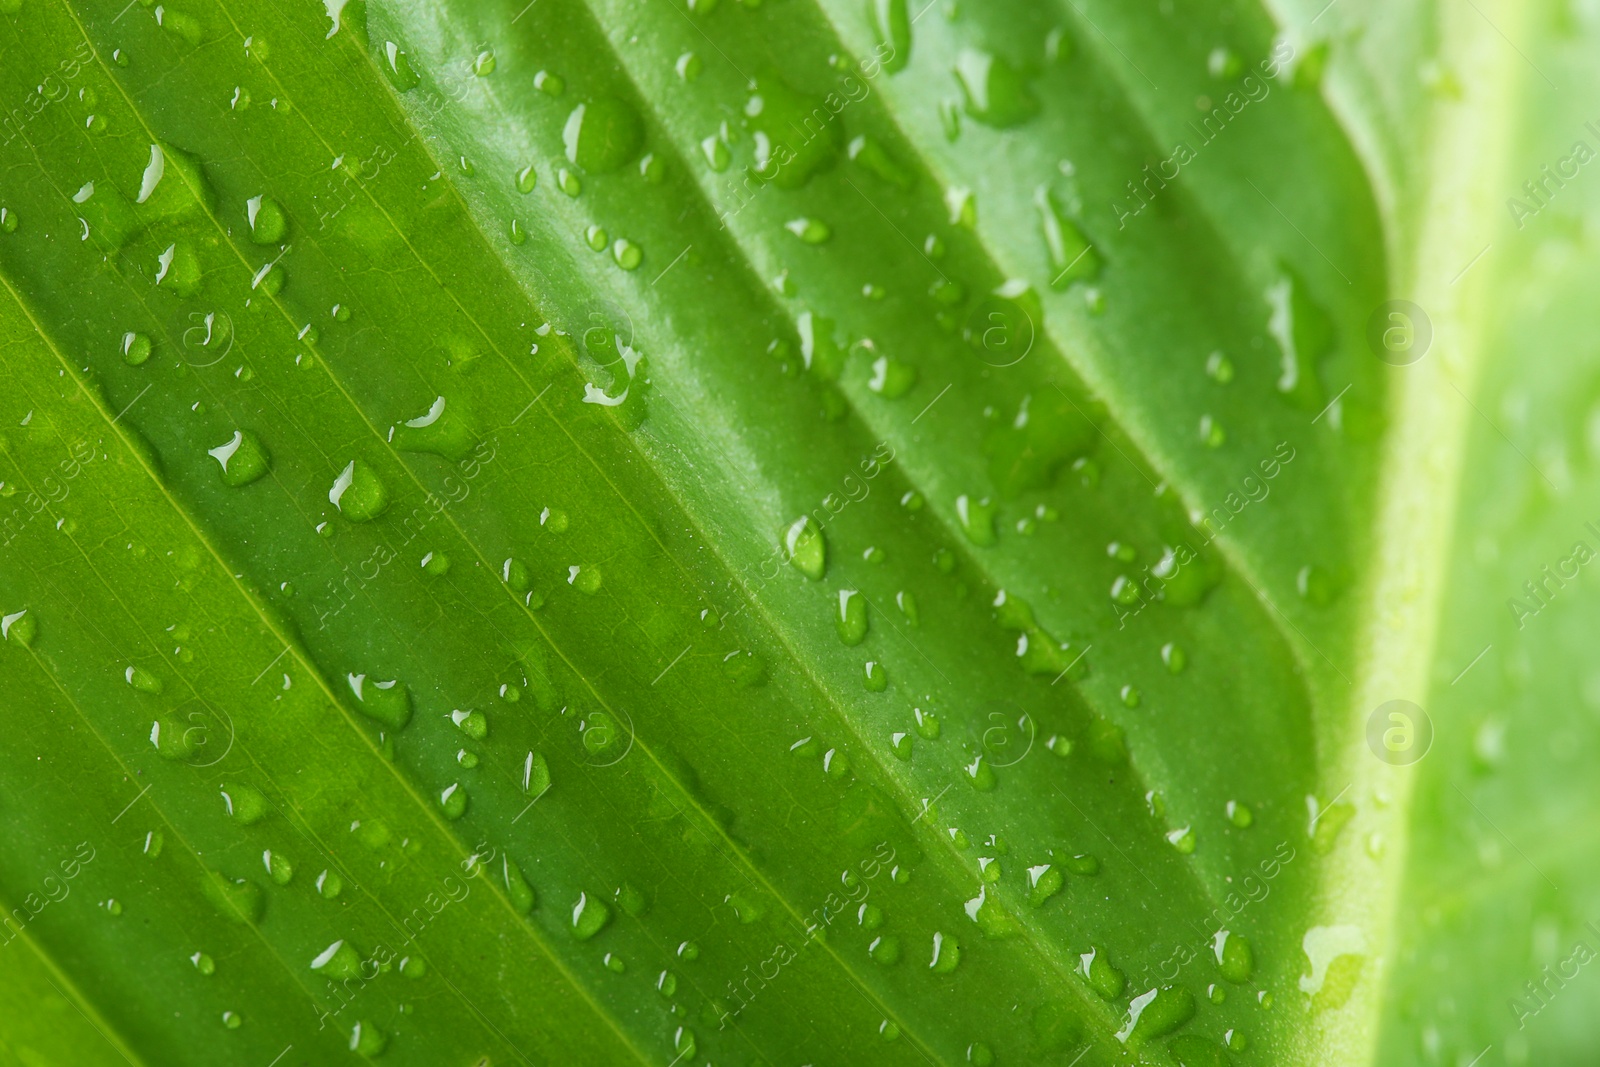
(299, 655)
(954, 536)
(613, 1023)
(1418, 498)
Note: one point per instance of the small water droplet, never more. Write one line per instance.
(810, 230)
(1235, 960)
(359, 493)
(946, 954)
(243, 458)
(806, 548)
(400, 73)
(1102, 977)
(453, 801)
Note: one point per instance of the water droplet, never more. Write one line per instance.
(1182, 839)
(716, 153)
(992, 919)
(979, 1055)
(1235, 960)
(887, 1029)
(203, 963)
(453, 801)
(483, 63)
(688, 66)
(891, 379)
(795, 136)
(893, 24)
(1219, 368)
(1102, 977)
(472, 723)
(8, 220)
(339, 961)
(585, 579)
(589, 917)
(806, 548)
(142, 680)
(946, 954)
(135, 348)
(900, 744)
(243, 458)
(568, 182)
(436, 563)
(20, 627)
(359, 493)
(874, 678)
(1156, 1013)
(267, 220)
(811, 231)
(927, 723)
(1336, 955)
(527, 179)
(549, 84)
(389, 702)
(400, 73)
(980, 774)
(602, 135)
(628, 255)
(232, 1020)
(279, 869)
(329, 884)
(1044, 882)
(518, 892)
(1239, 814)
(851, 621)
(977, 519)
(1303, 333)
(367, 1040)
(1317, 585)
(1130, 696)
(1072, 258)
(907, 603)
(445, 429)
(178, 268)
(1173, 656)
(152, 843)
(244, 803)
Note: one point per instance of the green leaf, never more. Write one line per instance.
(818, 532)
